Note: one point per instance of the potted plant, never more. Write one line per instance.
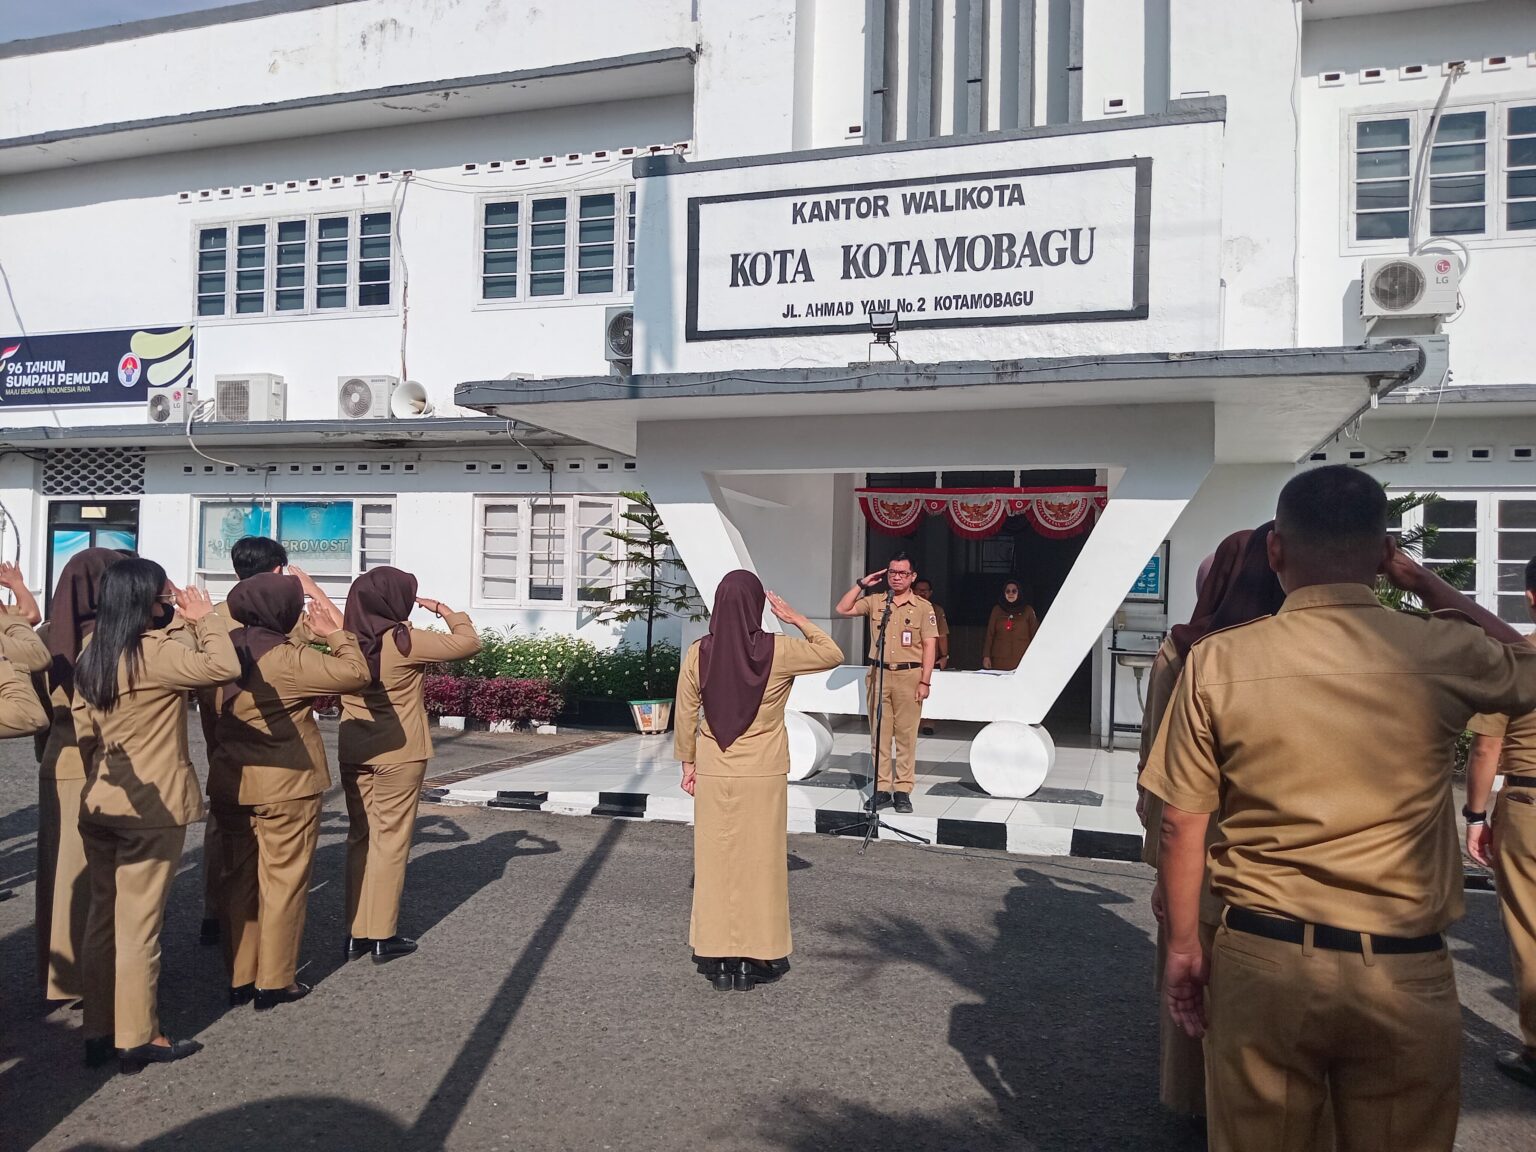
(655, 585)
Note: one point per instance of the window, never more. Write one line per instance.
(562, 246)
(1496, 531)
(1471, 173)
(334, 540)
(314, 264)
(543, 550)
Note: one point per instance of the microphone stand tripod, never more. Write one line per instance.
(871, 821)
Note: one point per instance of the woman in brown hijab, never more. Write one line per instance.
(267, 777)
(63, 894)
(385, 746)
(1238, 586)
(731, 739)
(1010, 629)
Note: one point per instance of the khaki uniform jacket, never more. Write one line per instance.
(1518, 756)
(1005, 646)
(21, 712)
(210, 701)
(138, 774)
(912, 619)
(1163, 676)
(1326, 736)
(763, 749)
(387, 723)
(21, 645)
(267, 746)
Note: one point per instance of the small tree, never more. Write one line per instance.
(655, 582)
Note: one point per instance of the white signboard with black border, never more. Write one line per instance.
(1055, 245)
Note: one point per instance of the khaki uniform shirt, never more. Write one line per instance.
(267, 746)
(21, 712)
(763, 749)
(210, 701)
(911, 622)
(1326, 736)
(1518, 756)
(20, 644)
(138, 774)
(387, 723)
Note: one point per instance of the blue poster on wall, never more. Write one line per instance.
(225, 523)
(1152, 584)
(116, 367)
(317, 535)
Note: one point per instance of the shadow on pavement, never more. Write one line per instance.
(301, 1121)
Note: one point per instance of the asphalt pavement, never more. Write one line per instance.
(938, 1000)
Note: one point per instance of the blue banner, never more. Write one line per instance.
(317, 535)
(116, 367)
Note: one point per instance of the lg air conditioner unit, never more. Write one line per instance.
(170, 405)
(619, 337)
(364, 397)
(258, 396)
(1409, 286)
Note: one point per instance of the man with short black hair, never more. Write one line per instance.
(1507, 844)
(1326, 736)
(911, 645)
(252, 555)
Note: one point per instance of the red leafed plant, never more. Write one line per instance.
(517, 701)
(446, 695)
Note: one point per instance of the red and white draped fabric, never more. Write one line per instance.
(977, 513)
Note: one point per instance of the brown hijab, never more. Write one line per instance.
(269, 605)
(1255, 591)
(735, 658)
(1224, 568)
(73, 616)
(380, 601)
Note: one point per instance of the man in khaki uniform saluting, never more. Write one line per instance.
(1325, 734)
(911, 646)
(1508, 845)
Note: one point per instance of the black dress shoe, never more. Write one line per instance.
(358, 946)
(132, 1060)
(903, 802)
(1518, 1067)
(753, 972)
(210, 932)
(725, 978)
(927, 729)
(99, 1050)
(268, 998)
(241, 994)
(392, 949)
(709, 966)
(883, 800)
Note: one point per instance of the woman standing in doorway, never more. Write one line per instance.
(385, 746)
(1010, 629)
(130, 719)
(731, 739)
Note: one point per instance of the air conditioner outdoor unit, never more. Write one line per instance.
(170, 405)
(619, 336)
(364, 397)
(253, 397)
(1409, 286)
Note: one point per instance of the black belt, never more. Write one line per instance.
(1520, 781)
(893, 667)
(1325, 936)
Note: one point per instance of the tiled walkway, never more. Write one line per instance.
(1085, 808)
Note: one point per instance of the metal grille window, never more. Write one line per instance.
(334, 539)
(1494, 530)
(1458, 174)
(557, 247)
(596, 244)
(286, 267)
(376, 536)
(629, 258)
(498, 252)
(1383, 166)
(596, 552)
(530, 548)
(93, 472)
(1520, 169)
(500, 541)
(546, 550)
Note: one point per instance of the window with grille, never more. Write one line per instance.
(559, 246)
(293, 266)
(93, 472)
(548, 550)
(333, 539)
(1496, 531)
(1520, 168)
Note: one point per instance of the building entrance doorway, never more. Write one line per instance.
(75, 525)
(968, 575)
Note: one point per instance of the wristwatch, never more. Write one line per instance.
(1472, 817)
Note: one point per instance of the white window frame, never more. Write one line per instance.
(624, 209)
(570, 553)
(1496, 232)
(1486, 553)
(311, 220)
(329, 580)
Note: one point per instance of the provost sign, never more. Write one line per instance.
(114, 367)
(1020, 246)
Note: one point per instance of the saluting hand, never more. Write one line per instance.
(780, 608)
(872, 579)
(1185, 976)
(436, 607)
(1403, 571)
(324, 620)
(11, 577)
(193, 603)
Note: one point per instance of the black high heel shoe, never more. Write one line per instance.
(392, 949)
(759, 972)
(269, 998)
(132, 1060)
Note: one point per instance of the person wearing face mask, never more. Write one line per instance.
(1010, 629)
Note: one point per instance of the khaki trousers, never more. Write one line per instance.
(900, 716)
(381, 814)
(63, 891)
(213, 868)
(131, 871)
(268, 855)
(1291, 1026)
(1514, 867)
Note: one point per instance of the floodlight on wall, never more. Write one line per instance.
(882, 326)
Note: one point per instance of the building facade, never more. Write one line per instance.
(342, 194)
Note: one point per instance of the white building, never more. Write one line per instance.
(461, 193)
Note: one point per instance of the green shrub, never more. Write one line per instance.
(577, 667)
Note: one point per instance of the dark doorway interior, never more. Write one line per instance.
(968, 575)
(75, 525)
